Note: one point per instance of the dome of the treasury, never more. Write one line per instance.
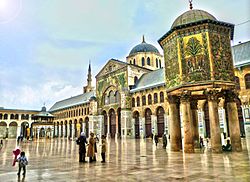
(192, 16)
(144, 47)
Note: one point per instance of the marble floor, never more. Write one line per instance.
(127, 160)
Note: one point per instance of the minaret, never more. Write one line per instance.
(89, 87)
(89, 76)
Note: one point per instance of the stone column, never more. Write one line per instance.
(68, 128)
(195, 122)
(166, 124)
(60, 130)
(142, 127)
(174, 122)
(214, 121)
(108, 129)
(116, 126)
(133, 128)
(83, 127)
(187, 122)
(154, 124)
(233, 121)
(73, 131)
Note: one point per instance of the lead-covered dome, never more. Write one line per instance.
(144, 47)
(192, 16)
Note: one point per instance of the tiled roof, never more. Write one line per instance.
(150, 80)
(241, 54)
(193, 15)
(72, 101)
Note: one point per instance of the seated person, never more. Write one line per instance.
(227, 147)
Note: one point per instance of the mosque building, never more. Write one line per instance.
(199, 87)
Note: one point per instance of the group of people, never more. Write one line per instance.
(92, 147)
(164, 140)
(225, 148)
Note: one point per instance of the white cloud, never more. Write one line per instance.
(28, 97)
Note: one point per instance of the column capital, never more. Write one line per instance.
(194, 105)
(230, 95)
(185, 96)
(173, 99)
(212, 95)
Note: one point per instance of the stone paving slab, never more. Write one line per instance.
(127, 160)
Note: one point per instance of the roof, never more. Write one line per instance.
(150, 80)
(72, 101)
(241, 54)
(195, 18)
(191, 16)
(143, 47)
(44, 114)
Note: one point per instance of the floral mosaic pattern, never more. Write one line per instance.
(195, 60)
(171, 64)
(222, 57)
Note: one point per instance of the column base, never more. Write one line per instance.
(188, 148)
(217, 149)
(237, 148)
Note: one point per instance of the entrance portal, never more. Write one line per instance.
(160, 121)
(112, 119)
(148, 114)
(137, 124)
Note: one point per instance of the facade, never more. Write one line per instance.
(195, 89)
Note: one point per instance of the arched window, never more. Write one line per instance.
(237, 82)
(148, 61)
(16, 116)
(155, 98)
(133, 102)
(106, 100)
(135, 80)
(247, 81)
(142, 61)
(156, 63)
(12, 116)
(134, 61)
(117, 96)
(149, 99)
(111, 97)
(161, 97)
(1, 116)
(143, 100)
(160, 63)
(138, 101)
(22, 116)
(130, 61)
(5, 116)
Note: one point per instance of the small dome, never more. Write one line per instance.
(43, 109)
(192, 16)
(144, 47)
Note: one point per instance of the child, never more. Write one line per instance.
(22, 163)
(103, 148)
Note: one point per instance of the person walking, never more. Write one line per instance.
(23, 162)
(165, 140)
(81, 141)
(91, 151)
(96, 139)
(156, 140)
(103, 148)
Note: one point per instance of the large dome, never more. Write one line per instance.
(192, 16)
(144, 47)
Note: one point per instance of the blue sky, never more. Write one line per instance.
(45, 45)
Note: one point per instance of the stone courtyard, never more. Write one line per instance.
(127, 160)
